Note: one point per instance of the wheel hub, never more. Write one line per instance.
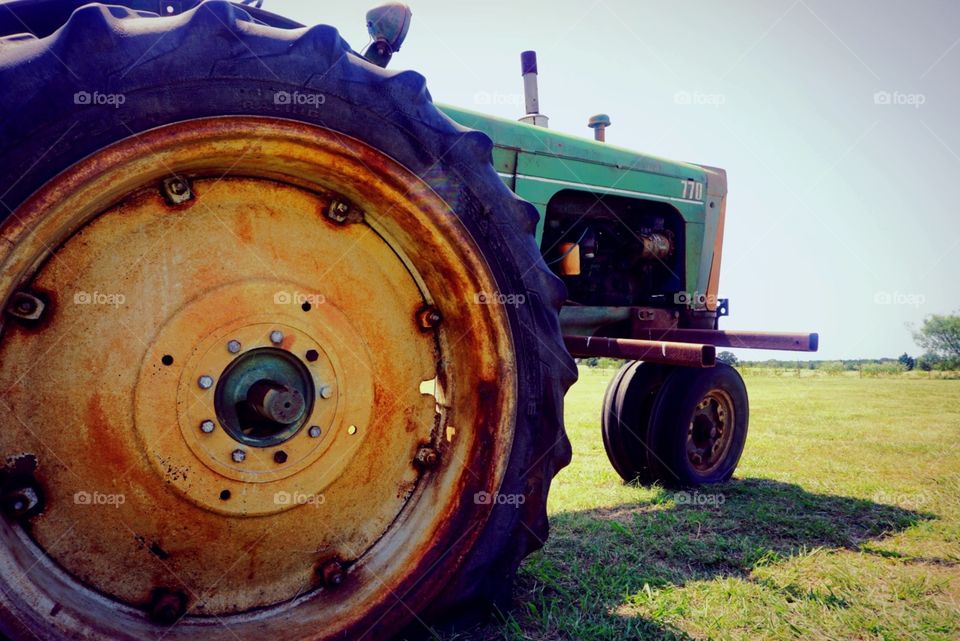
(263, 397)
(711, 431)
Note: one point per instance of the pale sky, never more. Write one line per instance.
(842, 214)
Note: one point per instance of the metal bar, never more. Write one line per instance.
(746, 340)
(668, 353)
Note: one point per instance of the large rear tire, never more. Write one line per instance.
(82, 114)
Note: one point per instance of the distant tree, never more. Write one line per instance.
(832, 368)
(729, 358)
(907, 361)
(940, 335)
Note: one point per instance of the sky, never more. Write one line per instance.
(836, 121)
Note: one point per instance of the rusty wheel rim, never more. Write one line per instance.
(222, 532)
(710, 432)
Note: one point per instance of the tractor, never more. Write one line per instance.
(285, 344)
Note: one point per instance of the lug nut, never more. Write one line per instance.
(25, 306)
(343, 212)
(238, 456)
(338, 211)
(233, 346)
(426, 458)
(22, 501)
(205, 381)
(325, 391)
(331, 573)
(207, 426)
(280, 457)
(429, 317)
(167, 606)
(176, 190)
(276, 337)
(314, 431)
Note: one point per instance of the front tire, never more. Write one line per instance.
(625, 420)
(698, 426)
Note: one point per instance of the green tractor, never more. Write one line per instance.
(285, 345)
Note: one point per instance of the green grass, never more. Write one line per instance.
(842, 522)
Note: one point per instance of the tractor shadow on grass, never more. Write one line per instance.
(596, 559)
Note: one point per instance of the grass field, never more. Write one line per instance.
(842, 522)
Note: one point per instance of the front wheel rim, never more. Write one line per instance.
(710, 432)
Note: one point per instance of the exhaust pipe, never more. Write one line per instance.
(531, 94)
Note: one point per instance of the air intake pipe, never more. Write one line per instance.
(528, 67)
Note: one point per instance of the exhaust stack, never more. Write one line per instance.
(528, 67)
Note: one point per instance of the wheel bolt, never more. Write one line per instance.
(331, 573)
(238, 456)
(280, 457)
(429, 317)
(314, 431)
(22, 501)
(205, 381)
(426, 458)
(167, 606)
(233, 346)
(207, 426)
(325, 391)
(276, 337)
(176, 190)
(25, 306)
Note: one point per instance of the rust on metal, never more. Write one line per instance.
(331, 574)
(167, 606)
(426, 458)
(668, 353)
(176, 190)
(141, 465)
(343, 212)
(25, 306)
(710, 433)
(732, 338)
(429, 318)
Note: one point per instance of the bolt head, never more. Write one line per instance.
(207, 426)
(280, 457)
(205, 381)
(233, 346)
(238, 456)
(426, 457)
(338, 211)
(22, 501)
(314, 431)
(325, 391)
(176, 190)
(429, 317)
(25, 306)
(276, 337)
(167, 606)
(332, 574)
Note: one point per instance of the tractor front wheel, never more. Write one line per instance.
(698, 426)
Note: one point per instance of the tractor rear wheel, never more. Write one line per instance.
(250, 385)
